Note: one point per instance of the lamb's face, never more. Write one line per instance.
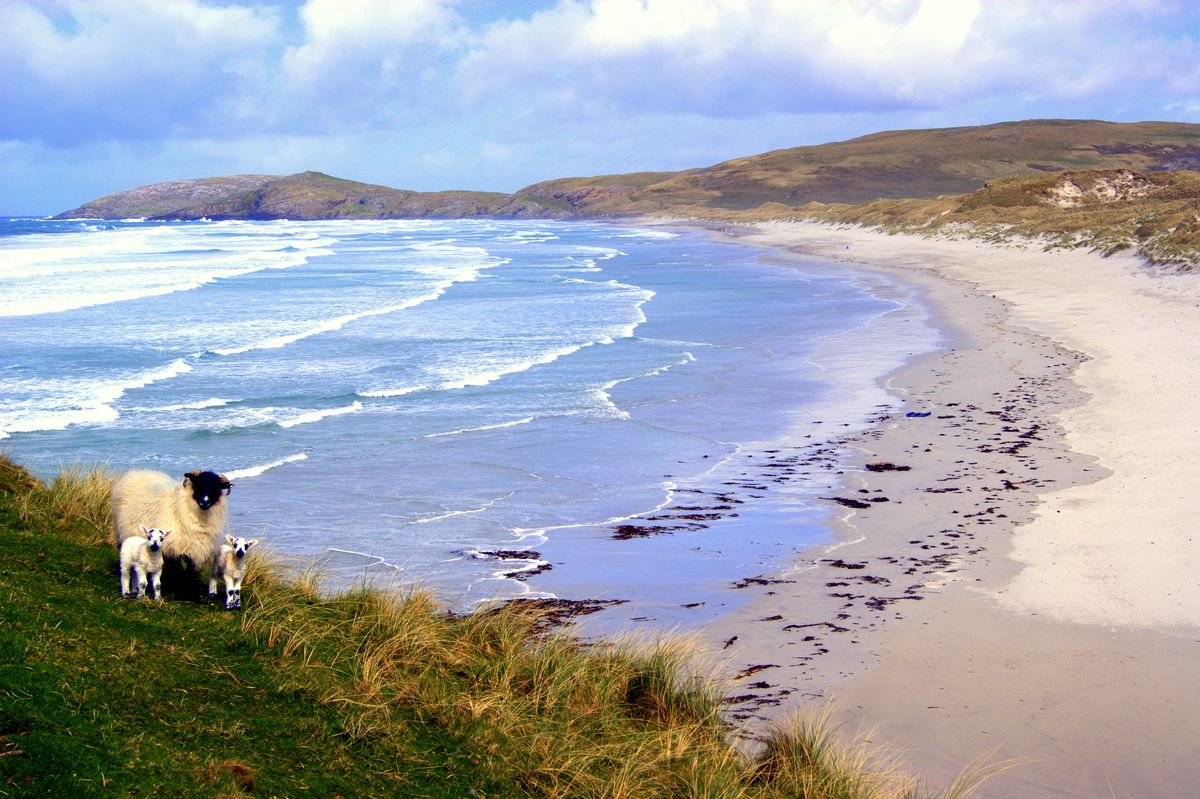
(155, 538)
(207, 487)
(240, 545)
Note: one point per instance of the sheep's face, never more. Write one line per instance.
(207, 487)
(155, 537)
(240, 545)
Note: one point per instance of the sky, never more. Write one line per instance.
(97, 96)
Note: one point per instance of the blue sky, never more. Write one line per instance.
(433, 94)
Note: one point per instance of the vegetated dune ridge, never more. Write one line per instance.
(888, 165)
(1155, 213)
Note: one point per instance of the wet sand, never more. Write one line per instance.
(1031, 585)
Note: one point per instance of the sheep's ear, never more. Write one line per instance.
(145, 530)
(189, 476)
(229, 540)
(225, 484)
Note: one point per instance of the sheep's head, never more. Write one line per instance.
(240, 545)
(155, 537)
(207, 487)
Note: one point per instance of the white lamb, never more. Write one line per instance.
(192, 508)
(142, 555)
(230, 562)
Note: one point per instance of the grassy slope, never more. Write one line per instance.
(366, 693)
(893, 164)
(314, 195)
(104, 697)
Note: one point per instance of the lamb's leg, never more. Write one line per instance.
(141, 581)
(124, 581)
(233, 600)
(156, 584)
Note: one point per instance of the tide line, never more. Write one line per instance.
(464, 512)
(481, 428)
(96, 407)
(328, 326)
(316, 416)
(255, 471)
(338, 322)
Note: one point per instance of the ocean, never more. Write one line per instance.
(489, 409)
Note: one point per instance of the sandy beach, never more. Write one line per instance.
(1030, 586)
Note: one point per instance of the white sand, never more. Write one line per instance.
(1066, 632)
(1123, 550)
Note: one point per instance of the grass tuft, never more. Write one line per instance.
(75, 505)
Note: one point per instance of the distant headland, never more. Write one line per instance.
(1106, 185)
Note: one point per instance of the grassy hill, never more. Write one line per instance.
(891, 165)
(894, 164)
(361, 693)
(307, 195)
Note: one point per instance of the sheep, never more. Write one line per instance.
(229, 562)
(143, 556)
(192, 508)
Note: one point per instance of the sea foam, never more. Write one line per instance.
(63, 403)
(260, 469)
(316, 416)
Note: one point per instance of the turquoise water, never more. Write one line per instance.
(403, 397)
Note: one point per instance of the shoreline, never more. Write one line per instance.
(993, 605)
(708, 525)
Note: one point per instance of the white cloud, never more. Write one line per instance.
(370, 39)
(732, 56)
(88, 70)
(432, 93)
(80, 71)
(368, 65)
(737, 57)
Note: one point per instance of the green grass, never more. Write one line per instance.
(365, 692)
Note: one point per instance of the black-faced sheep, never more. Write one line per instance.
(194, 509)
(142, 555)
(229, 562)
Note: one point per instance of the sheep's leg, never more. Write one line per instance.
(156, 584)
(233, 594)
(124, 581)
(212, 582)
